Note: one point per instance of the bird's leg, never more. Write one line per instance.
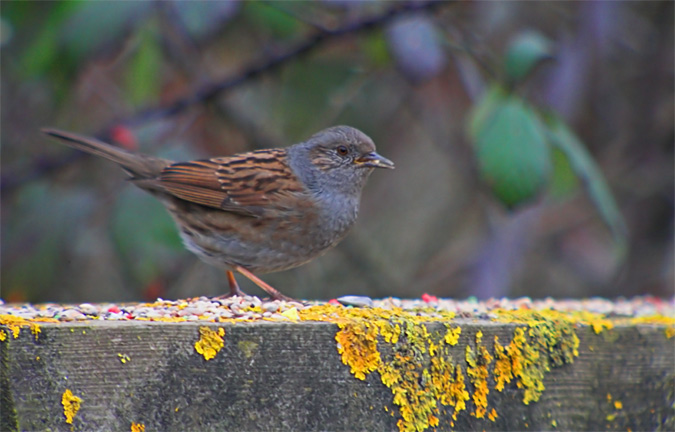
(234, 287)
(276, 295)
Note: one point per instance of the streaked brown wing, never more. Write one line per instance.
(248, 183)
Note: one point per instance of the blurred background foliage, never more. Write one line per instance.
(533, 141)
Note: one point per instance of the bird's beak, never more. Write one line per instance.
(374, 160)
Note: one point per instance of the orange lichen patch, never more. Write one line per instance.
(3, 335)
(618, 405)
(137, 427)
(44, 319)
(15, 324)
(210, 342)
(357, 344)
(518, 360)
(414, 363)
(493, 415)
(503, 371)
(448, 381)
(477, 370)
(71, 405)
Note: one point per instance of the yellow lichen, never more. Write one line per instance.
(123, 358)
(390, 333)
(493, 415)
(210, 342)
(247, 347)
(477, 370)
(452, 335)
(598, 322)
(551, 342)
(291, 314)
(415, 364)
(618, 405)
(137, 427)
(357, 344)
(15, 324)
(503, 372)
(3, 335)
(458, 394)
(71, 405)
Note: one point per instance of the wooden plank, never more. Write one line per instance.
(290, 376)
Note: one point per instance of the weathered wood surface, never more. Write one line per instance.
(289, 376)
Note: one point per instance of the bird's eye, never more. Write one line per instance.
(342, 150)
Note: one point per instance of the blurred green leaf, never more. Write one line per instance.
(485, 108)
(564, 180)
(375, 46)
(143, 76)
(524, 53)
(588, 171)
(511, 149)
(271, 19)
(44, 51)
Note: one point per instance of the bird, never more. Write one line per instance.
(257, 212)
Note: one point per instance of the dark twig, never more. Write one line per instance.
(212, 90)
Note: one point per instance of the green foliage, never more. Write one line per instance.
(271, 19)
(564, 180)
(44, 50)
(142, 80)
(375, 47)
(524, 53)
(519, 149)
(511, 149)
(583, 165)
(57, 49)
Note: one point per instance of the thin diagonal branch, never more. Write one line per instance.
(212, 90)
(14, 178)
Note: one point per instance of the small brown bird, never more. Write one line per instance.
(258, 212)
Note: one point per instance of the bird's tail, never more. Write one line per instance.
(139, 166)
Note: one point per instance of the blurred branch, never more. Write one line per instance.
(11, 179)
(214, 89)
